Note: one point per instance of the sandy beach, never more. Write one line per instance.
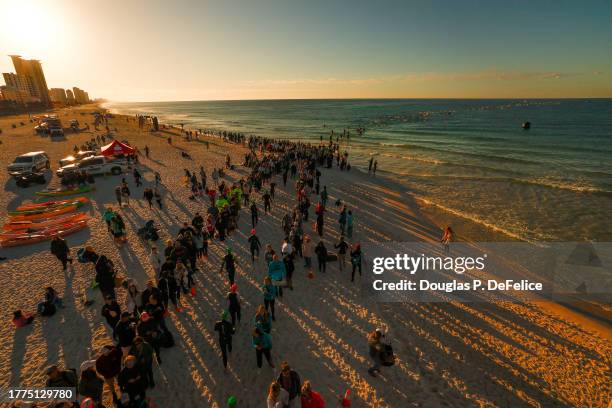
(448, 354)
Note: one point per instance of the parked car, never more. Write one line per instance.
(29, 162)
(77, 157)
(95, 165)
(25, 179)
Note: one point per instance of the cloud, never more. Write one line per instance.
(486, 75)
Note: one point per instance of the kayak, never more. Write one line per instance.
(44, 223)
(47, 214)
(57, 193)
(45, 209)
(50, 204)
(25, 239)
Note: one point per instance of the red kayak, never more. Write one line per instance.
(32, 238)
(44, 223)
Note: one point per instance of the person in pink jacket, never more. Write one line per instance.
(310, 398)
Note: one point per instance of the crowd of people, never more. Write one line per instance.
(138, 328)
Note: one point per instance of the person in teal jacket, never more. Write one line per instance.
(269, 291)
(108, 216)
(262, 343)
(278, 274)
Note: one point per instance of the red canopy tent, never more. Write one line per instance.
(116, 148)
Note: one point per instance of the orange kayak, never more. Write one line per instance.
(43, 215)
(51, 204)
(44, 223)
(25, 239)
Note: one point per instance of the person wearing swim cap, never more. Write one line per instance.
(232, 402)
(226, 331)
(229, 262)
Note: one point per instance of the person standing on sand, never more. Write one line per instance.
(349, 224)
(342, 248)
(290, 381)
(375, 348)
(324, 196)
(158, 197)
(267, 197)
(374, 167)
(131, 381)
(370, 162)
(146, 149)
(126, 332)
(254, 245)
(356, 260)
(321, 252)
(278, 274)
(447, 238)
(277, 396)
(226, 331)
(307, 251)
(270, 292)
(342, 220)
(111, 311)
(60, 249)
(108, 216)
(262, 343)
(310, 398)
(148, 195)
(108, 365)
(137, 177)
(233, 302)
(125, 192)
(229, 262)
(254, 214)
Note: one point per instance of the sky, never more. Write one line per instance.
(159, 50)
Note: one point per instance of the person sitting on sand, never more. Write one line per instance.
(57, 378)
(20, 319)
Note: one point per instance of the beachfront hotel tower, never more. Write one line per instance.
(32, 71)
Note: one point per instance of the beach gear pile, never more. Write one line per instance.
(36, 222)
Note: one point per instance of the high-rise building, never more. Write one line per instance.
(80, 95)
(21, 83)
(16, 95)
(70, 97)
(32, 69)
(58, 95)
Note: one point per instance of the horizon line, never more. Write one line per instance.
(104, 100)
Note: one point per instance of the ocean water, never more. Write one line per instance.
(469, 158)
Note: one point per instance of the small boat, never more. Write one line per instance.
(50, 204)
(32, 238)
(45, 209)
(45, 223)
(43, 215)
(526, 125)
(58, 193)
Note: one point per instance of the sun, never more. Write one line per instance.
(29, 27)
